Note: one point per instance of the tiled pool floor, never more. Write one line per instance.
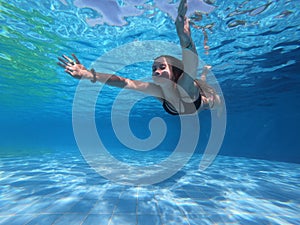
(63, 189)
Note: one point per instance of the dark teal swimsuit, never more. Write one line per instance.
(189, 108)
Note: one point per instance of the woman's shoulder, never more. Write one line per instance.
(152, 89)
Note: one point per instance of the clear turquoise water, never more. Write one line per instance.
(254, 51)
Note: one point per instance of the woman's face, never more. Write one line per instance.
(161, 71)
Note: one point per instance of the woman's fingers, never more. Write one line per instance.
(182, 8)
(69, 60)
(76, 59)
(69, 72)
(70, 65)
(61, 65)
(73, 74)
(66, 60)
(63, 61)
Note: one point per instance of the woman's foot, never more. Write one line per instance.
(205, 71)
(206, 68)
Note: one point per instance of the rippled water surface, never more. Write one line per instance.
(246, 43)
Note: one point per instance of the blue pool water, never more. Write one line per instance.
(75, 152)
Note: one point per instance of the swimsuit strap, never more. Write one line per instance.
(189, 108)
(169, 108)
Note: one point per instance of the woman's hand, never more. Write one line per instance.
(182, 8)
(182, 25)
(74, 68)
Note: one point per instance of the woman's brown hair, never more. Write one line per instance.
(176, 65)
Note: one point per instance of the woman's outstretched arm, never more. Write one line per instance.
(189, 52)
(77, 70)
(183, 28)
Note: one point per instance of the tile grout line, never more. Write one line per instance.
(136, 206)
(112, 214)
(159, 213)
(43, 213)
(64, 212)
(182, 211)
(89, 212)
